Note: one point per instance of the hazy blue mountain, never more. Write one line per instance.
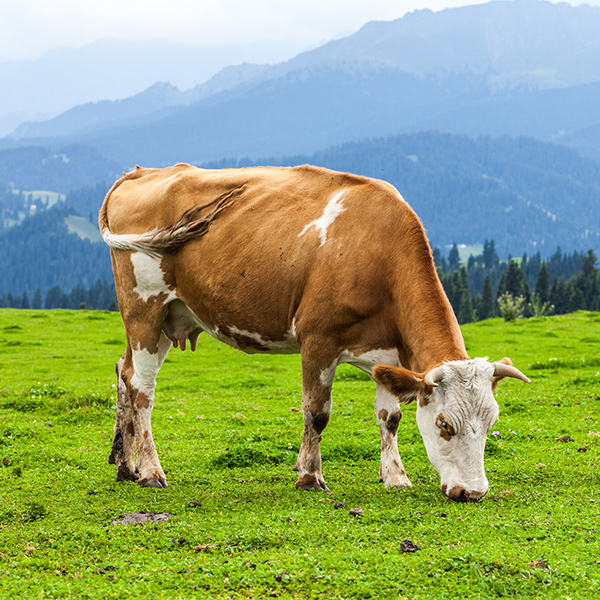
(586, 140)
(108, 69)
(284, 116)
(530, 42)
(508, 43)
(153, 103)
(524, 67)
(293, 115)
(61, 170)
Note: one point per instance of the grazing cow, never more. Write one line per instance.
(284, 260)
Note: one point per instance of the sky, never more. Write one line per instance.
(30, 28)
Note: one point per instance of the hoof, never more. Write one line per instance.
(124, 473)
(154, 483)
(311, 483)
(398, 483)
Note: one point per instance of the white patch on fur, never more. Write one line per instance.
(164, 345)
(332, 211)
(145, 368)
(184, 319)
(366, 361)
(288, 345)
(391, 470)
(326, 376)
(149, 277)
(464, 397)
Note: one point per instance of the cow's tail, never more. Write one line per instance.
(192, 225)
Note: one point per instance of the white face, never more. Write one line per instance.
(454, 423)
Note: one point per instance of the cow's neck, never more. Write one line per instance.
(428, 327)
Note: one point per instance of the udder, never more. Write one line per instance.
(181, 325)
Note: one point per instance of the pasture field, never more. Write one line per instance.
(227, 438)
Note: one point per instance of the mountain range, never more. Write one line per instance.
(108, 69)
(522, 67)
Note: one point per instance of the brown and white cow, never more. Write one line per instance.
(284, 260)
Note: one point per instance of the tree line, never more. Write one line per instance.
(100, 296)
(486, 287)
(483, 288)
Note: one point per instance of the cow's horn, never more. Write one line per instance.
(502, 370)
(433, 377)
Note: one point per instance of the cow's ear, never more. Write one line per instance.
(495, 380)
(406, 385)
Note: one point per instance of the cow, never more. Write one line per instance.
(304, 260)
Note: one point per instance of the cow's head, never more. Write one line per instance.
(456, 410)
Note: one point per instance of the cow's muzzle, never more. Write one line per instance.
(459, 494)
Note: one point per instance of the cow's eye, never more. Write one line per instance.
(445, 427)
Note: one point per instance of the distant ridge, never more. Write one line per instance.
(522, 67)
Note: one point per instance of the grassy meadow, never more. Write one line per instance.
(227, 434)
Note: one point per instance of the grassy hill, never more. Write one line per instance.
(228, 439)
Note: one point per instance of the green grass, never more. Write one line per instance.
(227, 438)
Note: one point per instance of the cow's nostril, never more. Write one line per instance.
(459, 494)
(474, 496)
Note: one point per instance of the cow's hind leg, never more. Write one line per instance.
(147, 348)
(317, 380)
(122, 452)
(387, 411)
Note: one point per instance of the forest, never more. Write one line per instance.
(486, 287)
(483, 288)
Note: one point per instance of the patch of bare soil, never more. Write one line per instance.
(139, 518)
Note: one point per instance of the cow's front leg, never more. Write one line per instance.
(387, 411)
(122, 451)
(317, 380)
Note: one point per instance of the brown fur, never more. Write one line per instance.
(320, 422)
(393, 422)
(402, 383)
(321, 286)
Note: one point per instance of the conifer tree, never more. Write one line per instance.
(490, 258)
(465, 310)
(559, 296)
(542, 284)
(37, 299)
(453, 259)
(487, 305)
(513, 282)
